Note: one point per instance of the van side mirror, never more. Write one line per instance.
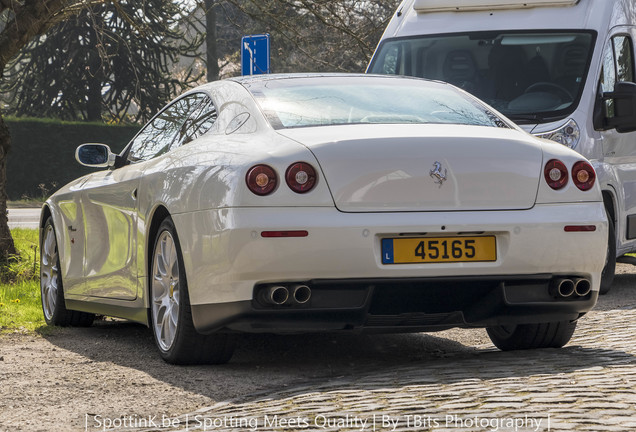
(95, 155)
(622, 101)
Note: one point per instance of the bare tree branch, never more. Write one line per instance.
(318, 35)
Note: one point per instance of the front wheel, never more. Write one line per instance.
(531, 336)
(170, 313)
(51, 289)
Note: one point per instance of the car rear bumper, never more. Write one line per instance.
(400, 305)
(227, 259)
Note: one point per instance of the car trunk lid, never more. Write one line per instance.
(389, 168)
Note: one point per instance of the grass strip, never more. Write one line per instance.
(20, 303)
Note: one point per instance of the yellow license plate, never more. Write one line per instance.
(439, 250)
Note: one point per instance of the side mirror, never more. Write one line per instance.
(95, 155)
(622, 101)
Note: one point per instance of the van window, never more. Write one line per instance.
(529, 76)
(624, 63)
(390, 61)
(608, 73)
(618, 66)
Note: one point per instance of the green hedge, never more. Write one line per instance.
(42, 156)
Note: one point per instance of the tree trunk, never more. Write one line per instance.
(30, 19)
(7, 248)
(212, 56)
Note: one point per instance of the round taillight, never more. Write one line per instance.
(301, 177)
(556, 174)
(583, 175)
(261, 179)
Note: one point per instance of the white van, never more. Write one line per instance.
(563, 70)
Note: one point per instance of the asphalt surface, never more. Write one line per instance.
(24, 217)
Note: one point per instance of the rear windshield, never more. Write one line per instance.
(340, 100)
(524, 75)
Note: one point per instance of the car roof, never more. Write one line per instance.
(277, 77)
(253, 79)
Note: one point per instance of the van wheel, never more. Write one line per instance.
(607, 277)
(531, 336)
(170, 312)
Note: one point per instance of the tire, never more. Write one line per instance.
(531, 336)
(176, 338)
(607, 276)
(51, 287)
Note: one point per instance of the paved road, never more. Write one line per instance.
(110, 375)
(24, 217)
(590, 385)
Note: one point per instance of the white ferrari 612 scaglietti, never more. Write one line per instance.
(315, 203)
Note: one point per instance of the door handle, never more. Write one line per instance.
(134, 194)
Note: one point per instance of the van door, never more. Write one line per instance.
(619, 149)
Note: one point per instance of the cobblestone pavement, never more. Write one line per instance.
(109, 377)
(590, 385)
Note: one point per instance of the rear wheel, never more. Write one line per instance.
(170, 312)
(51, 289)
(531, 336)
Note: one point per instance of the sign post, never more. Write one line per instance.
(255, 54)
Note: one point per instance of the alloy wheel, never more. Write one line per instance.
(165, 291)
(49, 272)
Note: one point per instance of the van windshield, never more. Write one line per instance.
(529, 76)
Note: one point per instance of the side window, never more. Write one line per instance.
(624, 59)
(158, 136)
(608, 73)
(618, 66)
(199, 122)
(390, 65)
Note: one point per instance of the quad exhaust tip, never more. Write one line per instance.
(302, 294)
(582, 287)
(278, 295)
(562, 288)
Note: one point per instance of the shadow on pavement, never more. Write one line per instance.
(623, 292)
(267, 364)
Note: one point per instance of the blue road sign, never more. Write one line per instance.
(255, 54)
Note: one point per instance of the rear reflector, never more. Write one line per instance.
(279, 234)
(580, 228)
